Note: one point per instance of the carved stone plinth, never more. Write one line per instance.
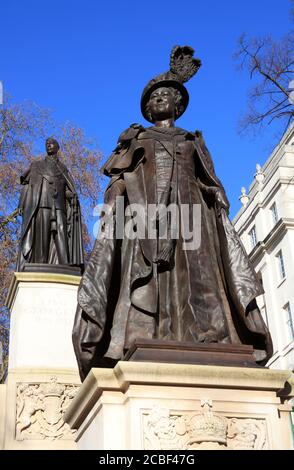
(174, 406)
(42, 307)
(42, 376)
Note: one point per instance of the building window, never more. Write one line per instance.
(281, 265)
(274, 212)
(253, 237)
(289, 323)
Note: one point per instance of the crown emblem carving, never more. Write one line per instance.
(52, 388)
(208, 426)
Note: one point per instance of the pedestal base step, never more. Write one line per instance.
(190, 353)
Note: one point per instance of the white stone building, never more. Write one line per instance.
(265, 224)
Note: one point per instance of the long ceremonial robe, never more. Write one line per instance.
(49, 188)
(207, 295)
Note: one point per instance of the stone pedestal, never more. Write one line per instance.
(42, 375)
(172, 406)
(42, 308)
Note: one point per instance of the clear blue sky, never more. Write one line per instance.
(89, 61)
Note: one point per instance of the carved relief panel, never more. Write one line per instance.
(165, 429)
(40, 408)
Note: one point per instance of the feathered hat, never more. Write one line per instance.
(182, 67)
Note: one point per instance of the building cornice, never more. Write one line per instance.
(269, 168)
(260, 205)
(274, 236)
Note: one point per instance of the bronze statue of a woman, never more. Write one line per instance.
(155, 288)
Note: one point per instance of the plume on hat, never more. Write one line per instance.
(182, 63)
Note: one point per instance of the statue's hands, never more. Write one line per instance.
(69, 195)
(221, 201)
(165, 257)
(218, 195)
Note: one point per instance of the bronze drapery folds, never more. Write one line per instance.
(155, 288)
(51, 230)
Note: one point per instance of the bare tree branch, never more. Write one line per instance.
(269, 64)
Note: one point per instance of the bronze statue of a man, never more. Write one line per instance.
(142, 287)
(51, 220)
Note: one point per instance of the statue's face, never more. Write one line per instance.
(52, 146)
(162, 104)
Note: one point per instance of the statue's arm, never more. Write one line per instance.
(217, 191)
(24, 181)
(70, 184)
(25, 177)
(71, 197)
(115, 189)
(70, 193)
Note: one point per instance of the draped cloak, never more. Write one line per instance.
(37, 182)
(208, 294)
